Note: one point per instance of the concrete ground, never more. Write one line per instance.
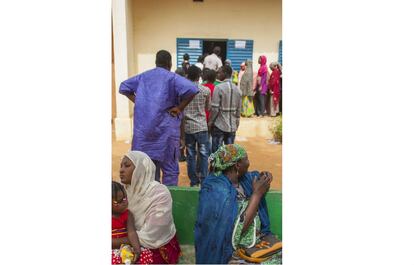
(253, 135)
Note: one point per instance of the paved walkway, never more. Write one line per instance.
(262, 155)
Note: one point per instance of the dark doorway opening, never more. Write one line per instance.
(208, 46)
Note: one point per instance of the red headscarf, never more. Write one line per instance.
(263, 74)
(263, 67)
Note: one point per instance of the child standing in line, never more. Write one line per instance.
(210, 78)
(196, 130)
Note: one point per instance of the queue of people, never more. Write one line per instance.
(164, 126)
(199, 108)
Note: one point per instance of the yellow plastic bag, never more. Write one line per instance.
(127, 254)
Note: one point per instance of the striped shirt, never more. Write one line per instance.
(195, 113)
(226, 106)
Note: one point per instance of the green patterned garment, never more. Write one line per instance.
(275, 259)
(225, 157)
(251, 237)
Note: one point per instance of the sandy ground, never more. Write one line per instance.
(262, 155)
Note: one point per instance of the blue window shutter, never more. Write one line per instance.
(239, 55)
(183, 47)
(280, 52)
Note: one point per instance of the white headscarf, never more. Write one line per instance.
(150, 203)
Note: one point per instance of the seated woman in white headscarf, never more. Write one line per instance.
(150, 221)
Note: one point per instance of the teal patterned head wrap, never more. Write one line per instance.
(226, 156)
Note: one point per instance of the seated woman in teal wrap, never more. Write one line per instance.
(232, 212)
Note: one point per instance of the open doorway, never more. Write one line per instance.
(208, 46)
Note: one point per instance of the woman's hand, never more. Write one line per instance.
(269, 175)
(262, 184)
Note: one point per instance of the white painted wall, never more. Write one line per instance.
(123, 128)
